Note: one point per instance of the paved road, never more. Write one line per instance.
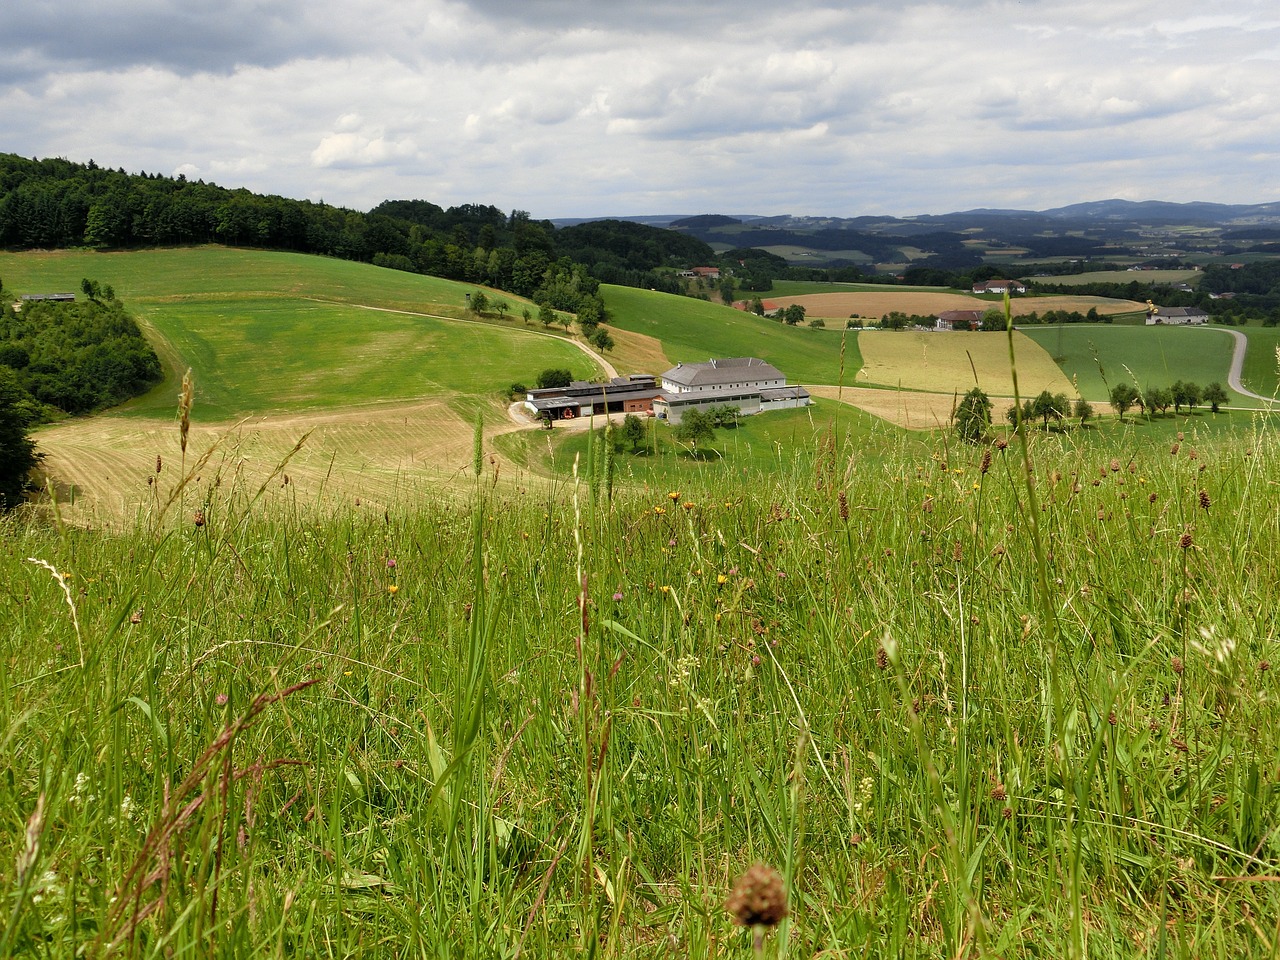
(1237, 365)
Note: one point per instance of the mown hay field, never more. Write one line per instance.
(949, 362)
(103, 468)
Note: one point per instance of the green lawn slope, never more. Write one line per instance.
(694, 330)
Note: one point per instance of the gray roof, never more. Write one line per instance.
(716, 373)
(771, 394)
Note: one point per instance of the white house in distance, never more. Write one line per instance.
(1175, 316)
(999, 286)
(747, 383)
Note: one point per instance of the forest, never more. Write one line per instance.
(74, 358)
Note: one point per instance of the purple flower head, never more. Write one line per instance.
(618, 595)
(391, 563)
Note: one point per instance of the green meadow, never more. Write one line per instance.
(1098, 356)
(966, 701)
(959, 713)
(758, 447)
(265, 332)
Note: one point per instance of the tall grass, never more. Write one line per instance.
(565, 719)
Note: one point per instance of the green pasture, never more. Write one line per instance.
(255, 356)
(267, 331)
(769, 444)
(1098, 356)
(802, 255)
(1261, 372)
(965, 702)
(141, 277)
(695, 330)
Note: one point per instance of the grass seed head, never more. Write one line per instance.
(758, 898)
(185, 397)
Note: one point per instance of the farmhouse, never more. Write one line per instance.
(959, 320)
(704, 273)
(1000, 286)
(1177, 316)
(747, 383)
(583, 398)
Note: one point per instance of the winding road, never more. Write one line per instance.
(1237, 366)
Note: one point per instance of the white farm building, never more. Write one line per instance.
(747, 383)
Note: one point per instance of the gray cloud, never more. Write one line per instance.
(176, 34)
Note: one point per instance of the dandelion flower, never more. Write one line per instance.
(392, 589)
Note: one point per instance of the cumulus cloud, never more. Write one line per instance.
(579, 107)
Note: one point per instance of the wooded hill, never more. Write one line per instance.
(56, 203)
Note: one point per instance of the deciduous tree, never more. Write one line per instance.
(1123, 396)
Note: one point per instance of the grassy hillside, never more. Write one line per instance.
(265, 331)
(695, 330)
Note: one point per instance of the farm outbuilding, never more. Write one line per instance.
(585, 398)
(1176, 316)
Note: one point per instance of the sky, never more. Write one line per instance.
(582, 108)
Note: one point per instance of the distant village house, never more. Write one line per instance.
(1000, 286)
(959, 320)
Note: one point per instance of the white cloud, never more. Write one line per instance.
(571, 107)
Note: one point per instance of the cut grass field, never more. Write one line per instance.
(1123, 276)
(285, 341)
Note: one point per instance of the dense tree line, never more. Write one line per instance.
(56, 203)
(76, 357)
